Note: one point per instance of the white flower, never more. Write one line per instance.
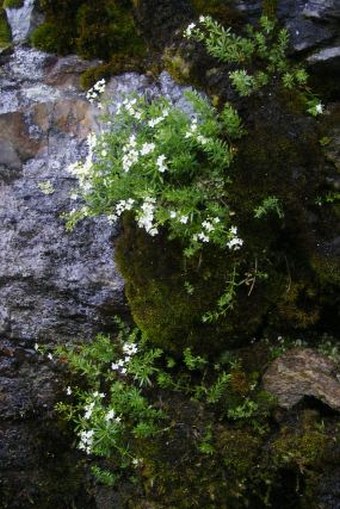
(173, 214)
(97, 394)
(208, 226)
(103, 153)
(86, 440)
(189, 29)
(50, 356)
(319, 108)
(130, 349)
(68, 391)
(110, 415)
(160, 163)
(155, 121)
(36, 347)
(235, 243)
(203, 237)
(202, 19)
(147, 148)
(202, 139)
(183, 219)
(146, 216)
(112, 218)
(89, 410)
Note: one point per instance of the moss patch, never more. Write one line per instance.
(104, 29)
(13, 4)
(5, 31)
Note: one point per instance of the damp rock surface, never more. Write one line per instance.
(303, 372)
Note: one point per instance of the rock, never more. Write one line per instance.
(321, 9)
(329, 56)
(303, 372)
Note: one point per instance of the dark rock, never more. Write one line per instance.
(303, 372)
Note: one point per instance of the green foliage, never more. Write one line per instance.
(168, 170)
(46, 37)
(5, 31)
(113, 408)
(13, 4)
(103, 29)
(260, 55)
(269, 204)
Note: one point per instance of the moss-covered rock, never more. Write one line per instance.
(5, 31)
(13, 4)
(168, 294)
(104, 29)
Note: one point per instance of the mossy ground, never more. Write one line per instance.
(5, 31)
(104, 30)
(13, 4)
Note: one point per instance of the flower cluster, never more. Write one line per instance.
(86, 440)
(235, 242)
(83, 170)
(146, 216)
(129, 350)
(93, 93)
(166, 166)
(131, 107)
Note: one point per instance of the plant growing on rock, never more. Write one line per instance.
(257, 59)
(121, 397)
(167, 168)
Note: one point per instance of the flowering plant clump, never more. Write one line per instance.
(260, 56)
(168, 168)
(123, 400)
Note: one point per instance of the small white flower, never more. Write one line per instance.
(50, 356)
(173, 214)
(147, 148)
(89, 410)
(162, 167)
(68, 391)
(203, 237)
(189, 29)
(110, 415)
(183, 219)
(112, 218)
(208, 226)
(202, 19)
(103, 153)
(319, 108)
(36, 347)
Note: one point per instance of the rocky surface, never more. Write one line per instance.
(56, 286)
(303, 372)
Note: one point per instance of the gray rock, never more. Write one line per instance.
(303, 372)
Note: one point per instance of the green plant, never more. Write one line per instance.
(5, 31)
(260, 55)
(167, 169)
(13, 4)
(119, 395)
(269, 204)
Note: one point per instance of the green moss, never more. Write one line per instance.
(299, 449)
(13, 4)
(47, 38)
(240, 449)
(269, 8)
(168, 297)
(222, 10)
(5, 31)
(102, 29)
(118, 64)
(177, 65)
